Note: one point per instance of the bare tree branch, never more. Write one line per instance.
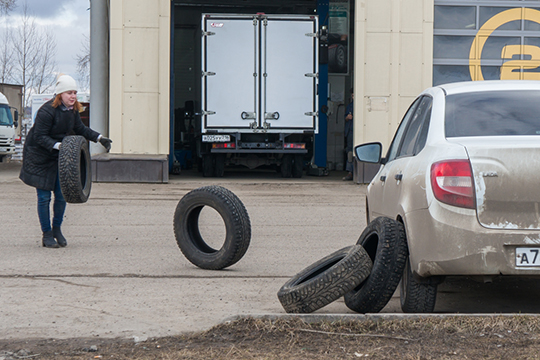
(6, 59)
(43, 73)
(34, 55)
(83, 64)
(6, 6)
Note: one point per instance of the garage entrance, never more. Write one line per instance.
(186, 69)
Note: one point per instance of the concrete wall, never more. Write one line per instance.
(139, 76)
(393, 63)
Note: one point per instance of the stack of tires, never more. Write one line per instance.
(366, 275)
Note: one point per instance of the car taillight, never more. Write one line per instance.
(452, 183)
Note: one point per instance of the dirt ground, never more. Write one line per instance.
(459, 337)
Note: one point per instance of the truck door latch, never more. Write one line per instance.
(248, 115)
(208, 73)
(271, 115)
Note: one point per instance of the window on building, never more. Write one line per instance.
(479, 40)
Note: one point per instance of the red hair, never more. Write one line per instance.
(58, 100)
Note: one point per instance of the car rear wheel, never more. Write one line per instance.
(416, 296)
(385, 242)
(325, 280)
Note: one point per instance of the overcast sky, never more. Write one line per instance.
(69, 21)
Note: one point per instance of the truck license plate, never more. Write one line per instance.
(527, 256)
(216, 138)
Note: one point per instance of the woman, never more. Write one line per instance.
(56, 119)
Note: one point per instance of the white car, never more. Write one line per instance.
(461, 179)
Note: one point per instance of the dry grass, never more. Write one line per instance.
(491, 337)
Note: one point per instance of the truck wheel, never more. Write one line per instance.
(325, 280)
(416, 296)
(188, 235)
(74, 169)
(298, 166)
(219, 165)
(286, 166)
(384, 241)
(207, 165)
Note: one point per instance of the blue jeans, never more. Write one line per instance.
(44, 202)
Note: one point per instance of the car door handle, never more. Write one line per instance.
(398, 177)
(383, 178)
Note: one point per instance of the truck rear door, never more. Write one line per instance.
(230, 66)
(290, 68)
(260, 72)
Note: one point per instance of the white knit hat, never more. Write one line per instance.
(65, 83)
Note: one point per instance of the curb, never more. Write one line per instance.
(310, 318)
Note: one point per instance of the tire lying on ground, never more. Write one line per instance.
(74, 169)
(385, 242)
(325, 280)
(188, 235)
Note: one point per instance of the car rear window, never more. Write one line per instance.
(493, 113)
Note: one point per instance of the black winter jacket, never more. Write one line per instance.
(40, 159)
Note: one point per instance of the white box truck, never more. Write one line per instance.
(259, 91)
(7, 128)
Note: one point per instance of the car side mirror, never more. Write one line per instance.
(369, 153)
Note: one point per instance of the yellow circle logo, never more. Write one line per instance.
(512, 69)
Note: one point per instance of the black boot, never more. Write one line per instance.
(48, 240)
(57, 233)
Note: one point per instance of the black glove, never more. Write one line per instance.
(106, 142)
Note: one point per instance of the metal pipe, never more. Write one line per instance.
(99, 70)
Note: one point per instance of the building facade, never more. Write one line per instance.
(394, 49)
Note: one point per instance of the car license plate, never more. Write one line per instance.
(527, 256)
(216, 138)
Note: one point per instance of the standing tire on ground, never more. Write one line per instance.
(219, 165)
(286, 166)
(416, 296)
(74, 169)
(385, 242)
(298, 166)
(207, 165)
(235, 218)
(325, 280)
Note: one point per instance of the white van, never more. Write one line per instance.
(7, 128)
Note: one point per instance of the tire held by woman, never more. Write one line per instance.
(74, 169)
(236, 220)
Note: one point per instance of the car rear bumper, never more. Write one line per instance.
(446, 240)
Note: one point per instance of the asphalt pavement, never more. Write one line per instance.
(123, 275)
